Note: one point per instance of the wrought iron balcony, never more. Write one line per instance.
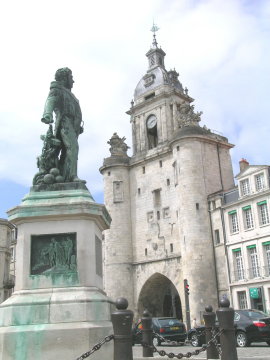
(266, 271)
(239, 275)
(254, 272)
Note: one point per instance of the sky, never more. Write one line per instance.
(221, 50)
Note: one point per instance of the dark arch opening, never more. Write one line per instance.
(160, 297)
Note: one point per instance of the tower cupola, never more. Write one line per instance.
(156, 75)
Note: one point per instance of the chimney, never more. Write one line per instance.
(243, 164)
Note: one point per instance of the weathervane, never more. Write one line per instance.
(154, 29)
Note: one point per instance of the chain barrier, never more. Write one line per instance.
(215, 342)
(188, 354)
(171, 342)
(96, 347)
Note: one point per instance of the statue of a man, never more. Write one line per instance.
(68, 122)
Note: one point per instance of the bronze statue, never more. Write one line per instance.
(58, 161)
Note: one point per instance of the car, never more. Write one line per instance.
(250, 326)
(168, 327)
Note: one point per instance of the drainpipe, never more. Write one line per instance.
(225, 247)
(214, 254)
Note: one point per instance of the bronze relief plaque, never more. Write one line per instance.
(53, 253)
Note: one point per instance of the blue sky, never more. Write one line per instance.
(220, 49)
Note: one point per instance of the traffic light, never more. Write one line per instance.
(186, 285)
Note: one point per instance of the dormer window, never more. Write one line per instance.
(245, 188)
(259, 181)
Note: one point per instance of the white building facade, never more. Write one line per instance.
(243, 214)
(7, 248)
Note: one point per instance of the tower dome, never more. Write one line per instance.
(156, 75)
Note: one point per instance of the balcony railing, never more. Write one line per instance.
(239, 275)
(266, 271)
(251, 273)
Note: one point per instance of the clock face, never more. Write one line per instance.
(151, 122)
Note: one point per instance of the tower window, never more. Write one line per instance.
(143, 169)
(168, 182)
(157, 197)
(217, 237)
(171, 247)
(178, 148)
(197, 206)
(152, 136)
(158, 215)
(145, 252)
(109, 173)
(149, 96)
(160, 163)
(139, 191)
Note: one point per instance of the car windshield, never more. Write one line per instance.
(169, 322)
(254, 314)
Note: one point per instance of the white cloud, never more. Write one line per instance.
(221, 50)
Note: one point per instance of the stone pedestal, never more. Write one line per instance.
(58, 309)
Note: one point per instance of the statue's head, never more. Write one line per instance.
(64, 75)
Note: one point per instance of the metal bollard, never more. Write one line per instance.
(122, 325)
(225, 316)
(147, 333)
(209, 319)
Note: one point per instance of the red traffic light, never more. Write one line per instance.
(186, 285)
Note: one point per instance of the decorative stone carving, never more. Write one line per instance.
(118, 145)
(118, 191)
(186, 116)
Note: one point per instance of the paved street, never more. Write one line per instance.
(255, 351)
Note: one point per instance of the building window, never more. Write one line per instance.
(267, 258)
(248, 218)
(152, 135)
(160, 163)
(263, 213)
(242, 300)
(239, 267)
(254, 262)
(178, 148)
(145, 252)
(244, 186)
(158, 215)
(171, 247)
(12, 250)
(175, 171)
(139, 191)
(259, 181)
(217, 237)
(168, 182)
(233, 220)
(143, 169)
(157, 197)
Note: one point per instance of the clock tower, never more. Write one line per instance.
(161, 233)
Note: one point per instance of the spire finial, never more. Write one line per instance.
(154, 29)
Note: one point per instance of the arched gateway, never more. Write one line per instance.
(160, 297)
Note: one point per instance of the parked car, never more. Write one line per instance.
(168, 327)
(250, 326)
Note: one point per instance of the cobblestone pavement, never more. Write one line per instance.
(259, 351)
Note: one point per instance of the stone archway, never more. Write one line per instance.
(160, 297)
